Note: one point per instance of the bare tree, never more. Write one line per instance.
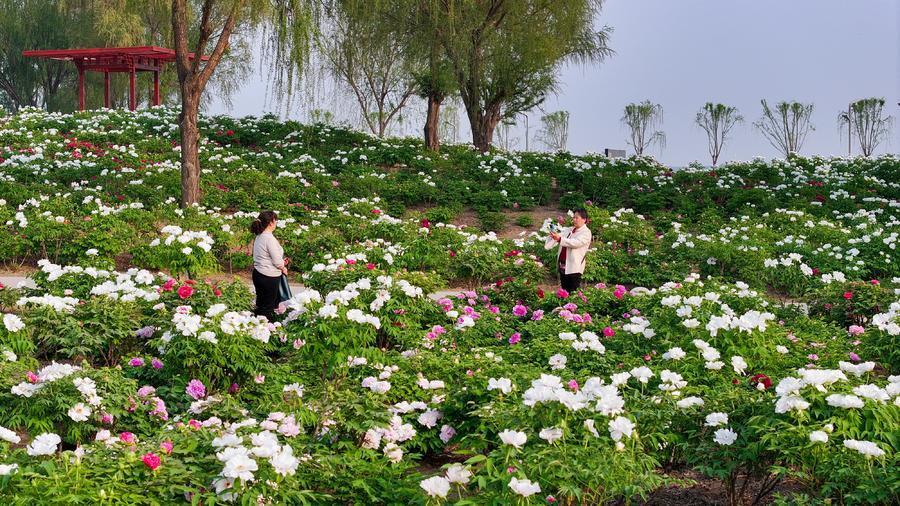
(717, 120)
(360, 51)
(554, 132)
(866, 116)
(642, 120)
(786, 126)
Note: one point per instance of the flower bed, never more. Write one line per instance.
(153, 385)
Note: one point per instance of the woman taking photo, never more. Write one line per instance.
(269, 264)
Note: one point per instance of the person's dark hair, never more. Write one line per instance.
(582, 212)
(262, 222)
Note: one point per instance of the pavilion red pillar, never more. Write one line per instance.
(132, 95)
(80, 86)
(156, 87)
(106, 90)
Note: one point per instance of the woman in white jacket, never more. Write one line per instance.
(573, 247)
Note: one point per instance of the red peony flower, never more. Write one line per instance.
(185, 291)
(761, 379)
(848, 295)
(167, 287)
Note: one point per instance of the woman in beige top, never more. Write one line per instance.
(269, 264)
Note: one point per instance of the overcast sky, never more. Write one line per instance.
(683, 53)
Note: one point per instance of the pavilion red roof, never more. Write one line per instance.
(160, 54)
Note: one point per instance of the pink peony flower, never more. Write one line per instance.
(156, 363)
(168, 285)
(166, 446)
(127, 438)
(515, 338)
(537, 315)
(853, 357)
(151, 460)
(520, 310)
(562, 293)
(848, 295)
(234, 388)
(146, 391)
(159, 409)
(196, 389)
(856, 330)
(573, 384)
(136, 362)
(608, 331)
(32, 377)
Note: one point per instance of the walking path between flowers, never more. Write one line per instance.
(21, 281)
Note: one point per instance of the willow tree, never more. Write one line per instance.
(204, 34)
(866, 118)
(786, 126)
(214, 23)
(505, 55)
(642, 120)
(717, 120)
(38, 24)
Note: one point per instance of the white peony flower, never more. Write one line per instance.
(9, 436)
(513, 438)
(818, 436)
(550, 434)
(867, 448)
(436, 486)
(240, 467)
(284, 461)
(458, 473)
(524, 488)
(13, 323)
(558, 361)
(620, 427)
(44, 444)
(716, 419)
(725, 436)
(502, 384)
(79, 412)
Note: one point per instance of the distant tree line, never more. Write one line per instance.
(496, 59)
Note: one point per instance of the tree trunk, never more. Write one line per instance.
(190, 145)
(483, 128)
(432, 120)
